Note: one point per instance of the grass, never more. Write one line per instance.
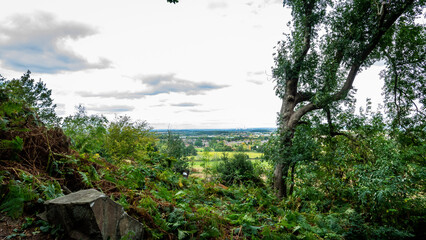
(214, 158)
(199, 164)
(218, 155)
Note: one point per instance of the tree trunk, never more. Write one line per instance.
(280, 175)
(286, 137)
(293, 166)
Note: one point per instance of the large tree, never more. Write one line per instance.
(330, 43)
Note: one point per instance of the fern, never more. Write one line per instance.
(16, 144)
(19, 193)
(51, 190)
(2, 176)
(85, 179)
(93, 173)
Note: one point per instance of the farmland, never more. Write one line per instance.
(217, 155)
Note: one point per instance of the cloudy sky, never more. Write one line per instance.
(196, 64)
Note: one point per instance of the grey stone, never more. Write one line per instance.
(90, 214)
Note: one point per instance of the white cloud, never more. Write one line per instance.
(257, 82)
(168, 83)
(185, 104)
(38, 43)
(217, 5)
(256, 77)
(110, 108)
(157, 84)
(112, 94)
(208, 55)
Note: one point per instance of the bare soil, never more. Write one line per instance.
(12, 229)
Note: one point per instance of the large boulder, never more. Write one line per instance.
(90, 214)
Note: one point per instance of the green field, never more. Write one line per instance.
(200, 164)
(214, 158)
(218, 155)
(211, 163)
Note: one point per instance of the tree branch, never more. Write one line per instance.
(295, 117)
(359, 60)
(334, 133)
(306, 40)
(368, 49)
(291, 99)
(303, 97)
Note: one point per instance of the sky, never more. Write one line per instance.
(192, 65)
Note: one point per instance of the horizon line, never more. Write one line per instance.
(211, 129)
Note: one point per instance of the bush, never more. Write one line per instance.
(24, 136)
(239, 169)
(87, 132)
(126, 139)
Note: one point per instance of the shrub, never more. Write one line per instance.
(126, 139)
(87, 132)
(239, 169)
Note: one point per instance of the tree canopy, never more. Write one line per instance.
(34, 94)
(329, 44)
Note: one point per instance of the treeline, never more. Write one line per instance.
(217, 143)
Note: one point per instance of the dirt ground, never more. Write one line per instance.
(13, 229)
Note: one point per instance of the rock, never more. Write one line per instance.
(185, 173)
(90, 214)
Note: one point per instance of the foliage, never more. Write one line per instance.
(126, 139)
(23, 137)
(205, 159)
(363, 183)
(34, 94)
(404, 77)
(14, 201)
(349, 176)
(16, 144)
(329, 44)
(26, 192)
(198, 143)
(220, 146)
(237, 170)
(368, 187)
(13, 116)
(87, 133)
(365, 169)
(175, 147)
(303, 148)
(190, 151)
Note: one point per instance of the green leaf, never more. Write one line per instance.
(182, 234)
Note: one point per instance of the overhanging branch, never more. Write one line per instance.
(382, 29)
(359, 60)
